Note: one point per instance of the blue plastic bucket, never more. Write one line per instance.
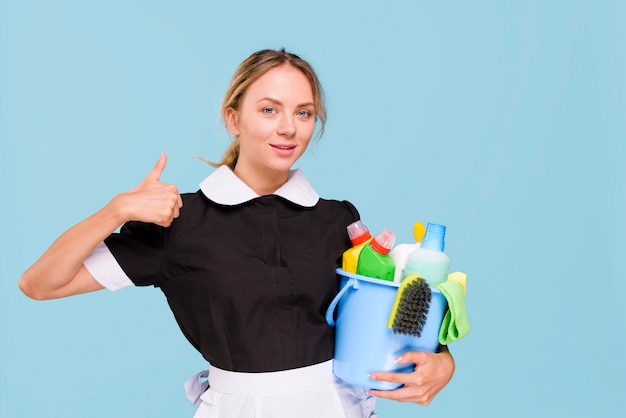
(363, 342)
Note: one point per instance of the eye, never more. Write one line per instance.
(305, 114)
(268, 110)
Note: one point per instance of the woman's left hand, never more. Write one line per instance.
(432, 372)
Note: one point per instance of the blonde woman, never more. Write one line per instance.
(247, 262)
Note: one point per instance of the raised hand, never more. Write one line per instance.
(152, 201)
(60, 272)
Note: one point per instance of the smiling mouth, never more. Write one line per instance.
(284, 147)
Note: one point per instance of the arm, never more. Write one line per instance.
(432, 372)
(60, 272)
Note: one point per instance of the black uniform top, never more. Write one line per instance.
(248, 278)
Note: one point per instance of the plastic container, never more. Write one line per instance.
(363, 343)
(429, 260)
(401, 252)
(359, 236)
(374, 260)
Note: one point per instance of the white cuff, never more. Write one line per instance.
(105, 269)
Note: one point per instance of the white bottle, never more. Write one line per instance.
(400, 252)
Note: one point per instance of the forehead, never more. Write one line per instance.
(282, 83)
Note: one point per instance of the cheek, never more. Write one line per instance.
(257, 128)
(305, 145)
(307, 131)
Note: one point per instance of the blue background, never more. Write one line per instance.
(504, 121)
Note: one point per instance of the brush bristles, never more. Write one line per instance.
(413, 309)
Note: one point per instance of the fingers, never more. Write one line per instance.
(178, 203)
(432, 371)
(170, 205)
(417, 357)
(153, 201)
(155, 173)
(402, 378)
(401, 394)
(413, 388)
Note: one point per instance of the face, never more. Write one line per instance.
(275, 122)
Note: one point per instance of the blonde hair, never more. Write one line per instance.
(248, 72)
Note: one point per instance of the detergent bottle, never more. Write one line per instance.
(359, 236)
(400, 252)
(429, 260)
(374, 260)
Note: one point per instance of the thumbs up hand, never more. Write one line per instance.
(152, 201)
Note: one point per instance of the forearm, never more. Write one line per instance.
(60, 272)
(62, 261)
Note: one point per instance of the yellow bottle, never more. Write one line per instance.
(359, 236)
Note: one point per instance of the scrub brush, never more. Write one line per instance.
(410, 308)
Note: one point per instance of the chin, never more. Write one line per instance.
(283, 166)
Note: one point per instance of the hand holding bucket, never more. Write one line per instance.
(363, 342)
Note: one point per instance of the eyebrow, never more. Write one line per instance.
(278, 102)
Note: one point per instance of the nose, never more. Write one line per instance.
(287, 126)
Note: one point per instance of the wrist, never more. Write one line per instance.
(116, 211)
(447, 361)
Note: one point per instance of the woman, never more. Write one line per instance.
(247, 263)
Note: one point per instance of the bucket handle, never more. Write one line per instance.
(351, 284)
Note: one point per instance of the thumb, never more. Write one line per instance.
(155, 173)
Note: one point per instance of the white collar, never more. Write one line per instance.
(225, 188)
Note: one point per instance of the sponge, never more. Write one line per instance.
(460, 278)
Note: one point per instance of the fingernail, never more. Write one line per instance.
(372, 377)
(398, 360)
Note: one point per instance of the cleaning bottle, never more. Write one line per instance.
(374, 260)
(429, 260)
(400, 252)
(359, 236)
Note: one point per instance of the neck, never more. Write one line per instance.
(262, 183)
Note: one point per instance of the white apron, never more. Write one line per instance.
(307, 392)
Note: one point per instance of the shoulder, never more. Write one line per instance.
(195, 206)
(339, 207)
(193, 197)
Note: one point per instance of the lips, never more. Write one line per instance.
(284, 150)
(284, 147)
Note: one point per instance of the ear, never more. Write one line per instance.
(230, 118)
